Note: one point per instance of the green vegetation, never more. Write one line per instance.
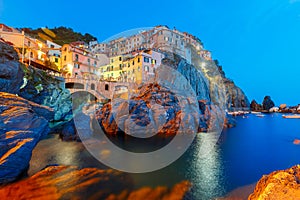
(60, 35)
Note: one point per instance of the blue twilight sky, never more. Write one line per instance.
(256, 41)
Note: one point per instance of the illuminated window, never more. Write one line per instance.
(146, 59)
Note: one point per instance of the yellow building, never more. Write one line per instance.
(138, 67)
(113, 71)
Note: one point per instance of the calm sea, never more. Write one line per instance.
(257, 146)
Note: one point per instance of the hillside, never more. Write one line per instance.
(60, 35)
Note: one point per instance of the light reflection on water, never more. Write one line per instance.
(241, 157)
(206, 169)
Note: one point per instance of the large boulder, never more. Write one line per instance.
(22, 124)
(254, 106)
(11, 74)
(70, 182)
(282, 184)
(268, 103)
(157, 110)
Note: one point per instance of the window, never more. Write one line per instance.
(139, 60)
(52, 46)
(153, 61)
(29, 43)
(120, 58)
(89, 61)
(92, 86)
(112, 68)
(112, 74)
(139, 68)
(112, 60)
(146, 69)
(56, 60)
(95, 63)
(65, 49)
(31, 55)
(146, 59)
(65, 58)
(120, 66)
(76, 57)
(133, 71)
(106, 87)
(132, 62)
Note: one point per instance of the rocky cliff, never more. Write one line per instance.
(282, 184)
(178, 85)
(33, 84)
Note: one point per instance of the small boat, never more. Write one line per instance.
(254, 112)
(260, 115)
(291, 116)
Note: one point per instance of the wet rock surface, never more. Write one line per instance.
(282, 184)
(70, 182)
(22, 123)
(11, 74)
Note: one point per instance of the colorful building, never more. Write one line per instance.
(78, 62)
(54, 53)
(158, 38)
(137, 67)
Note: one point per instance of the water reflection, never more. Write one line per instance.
(205, 169)
(244, 155)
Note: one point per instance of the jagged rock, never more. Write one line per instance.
(70, 182)
(282, 106)
(229, 122)
(235, 97)
(22, 123)
(254, 106)
(69, 132)
(268, 103)
(11, 74)
(157, 106)
(282, 184)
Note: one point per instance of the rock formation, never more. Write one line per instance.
(254, 106)
(282, 184)
(268, 103)
(235, 97)
(11, 75)
(22, 123)
(70, 182)
(33, 84)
